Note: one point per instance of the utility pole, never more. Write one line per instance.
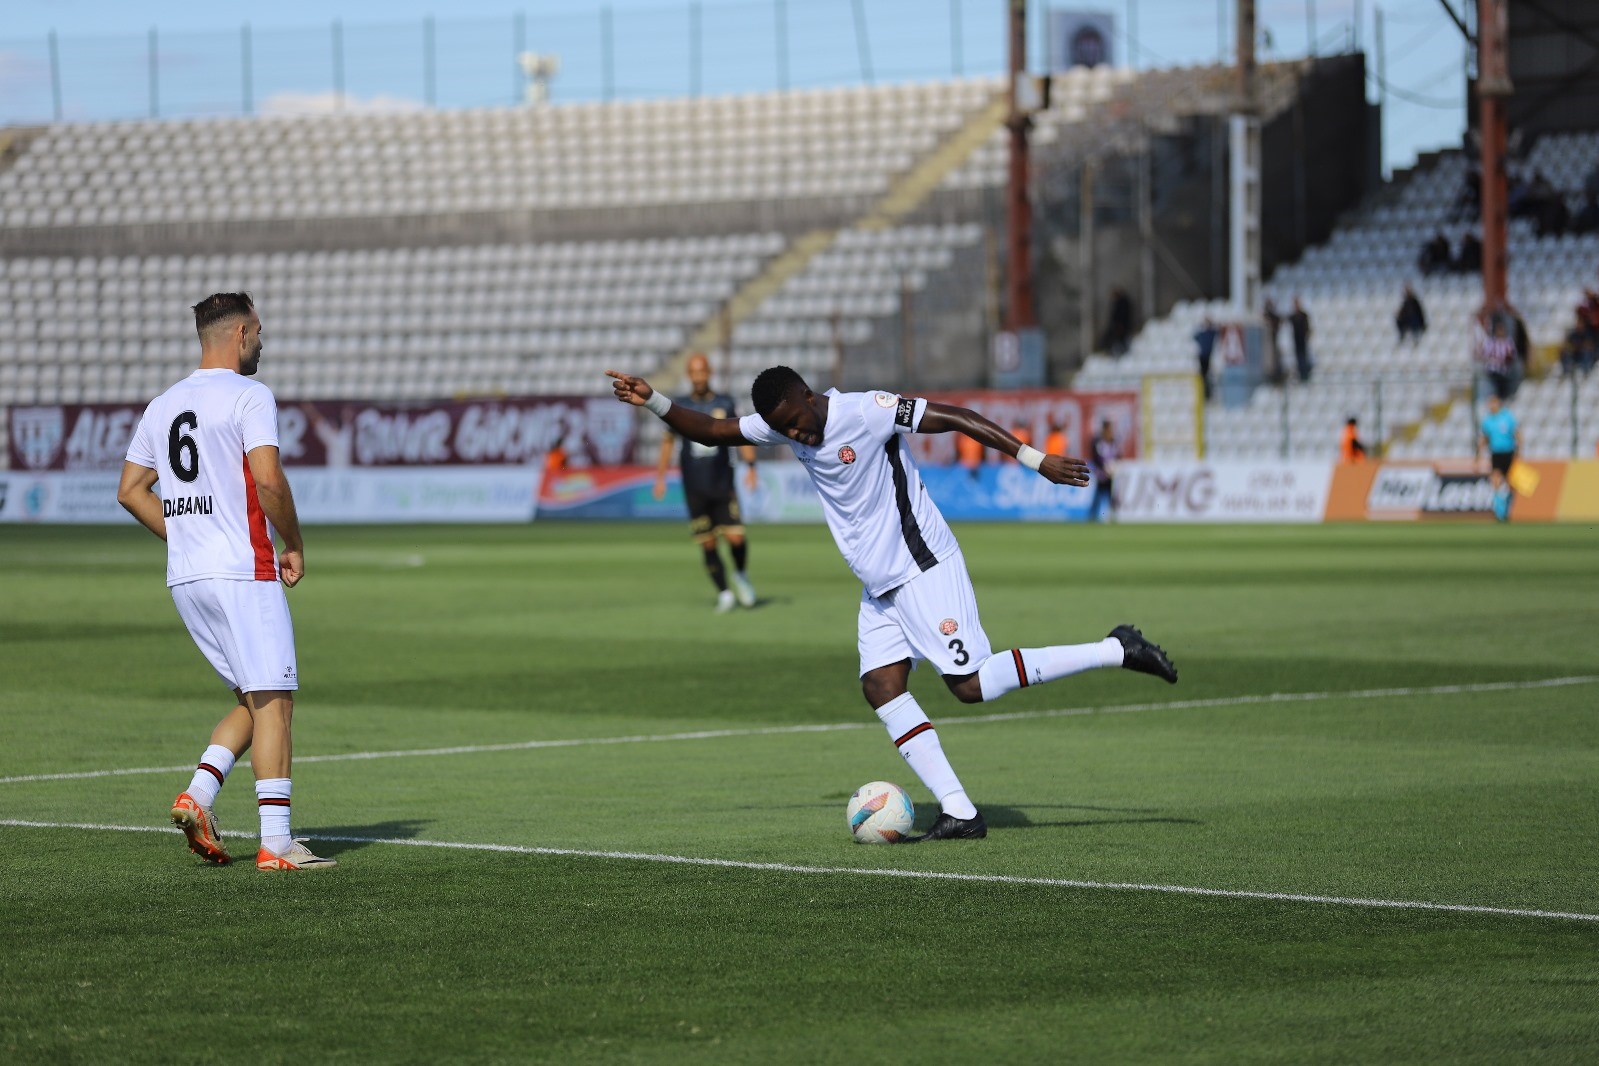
(1244, 173)
(1382, 91)
(1020, 312)
(1493, 92)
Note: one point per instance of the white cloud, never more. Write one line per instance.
(328, 103)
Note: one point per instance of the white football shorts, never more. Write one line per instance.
(931, 617)
(243, 629)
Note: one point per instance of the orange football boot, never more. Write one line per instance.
(200, 825)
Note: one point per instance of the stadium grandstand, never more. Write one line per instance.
(1417, 396)
(850, 232)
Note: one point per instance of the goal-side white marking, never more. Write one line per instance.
(923, 875)
(767, 731)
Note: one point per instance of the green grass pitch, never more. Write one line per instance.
(121, 947)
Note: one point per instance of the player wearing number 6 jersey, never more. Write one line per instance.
(917, 601)
(210, 443)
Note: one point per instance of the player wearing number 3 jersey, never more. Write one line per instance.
(917, 601)
(210, 444)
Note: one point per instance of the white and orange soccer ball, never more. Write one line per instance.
(880, 812)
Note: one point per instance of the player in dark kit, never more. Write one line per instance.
(708, 486)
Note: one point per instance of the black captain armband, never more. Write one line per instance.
(905, 413)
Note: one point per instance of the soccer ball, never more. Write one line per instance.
(880, 813)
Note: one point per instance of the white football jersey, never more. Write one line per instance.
(196, 436)
(882, 518)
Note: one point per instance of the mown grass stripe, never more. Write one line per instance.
(919, 875)
(832, 727)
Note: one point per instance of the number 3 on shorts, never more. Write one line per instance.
(961, 657)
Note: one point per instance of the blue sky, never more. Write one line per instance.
(104, 65)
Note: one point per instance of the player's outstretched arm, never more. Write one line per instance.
(946, 418)
(133, 493)
(272, 489)
(697, 427)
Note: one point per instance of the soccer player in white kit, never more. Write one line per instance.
(211, 443)
(917, 601)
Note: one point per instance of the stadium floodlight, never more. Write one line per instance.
(539, 69)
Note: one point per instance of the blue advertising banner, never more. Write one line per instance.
(993, 492)
(1005, 492)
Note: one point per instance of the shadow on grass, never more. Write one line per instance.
(1006, 818)
(322, 836)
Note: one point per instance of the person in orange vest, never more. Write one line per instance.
(555, 461)
(1350, 448)
(1023, 434)
(969, 454)
(1055, 441)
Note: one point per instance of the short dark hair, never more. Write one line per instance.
(219, 307)
(772, 386)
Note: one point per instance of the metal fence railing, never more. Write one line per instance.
(605, 51)
(1398, 414)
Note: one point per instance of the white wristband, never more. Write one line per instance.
(1030, 457)
(658, 403)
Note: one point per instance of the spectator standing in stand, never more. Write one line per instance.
(1206, 341)
(1578, 353)
(1411, 319)
(1587, 217)
(1120, 329)
(1434, 257)
(1299, 324)
(1274, 352)
(1469, 261)
(1496, 355)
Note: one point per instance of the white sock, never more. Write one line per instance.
(917, 741)
(1021, 667)
(215, 765)
(272, 800)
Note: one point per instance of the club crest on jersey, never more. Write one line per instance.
(948, 627)
(846, 455)
(884, 399)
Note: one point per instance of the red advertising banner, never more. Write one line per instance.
(1038, 412)
(593, 431)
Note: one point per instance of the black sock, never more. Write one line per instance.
(713, 566)
(741, 555)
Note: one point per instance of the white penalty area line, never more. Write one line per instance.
(834, 727)
(914, 875)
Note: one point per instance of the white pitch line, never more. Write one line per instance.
(916, 875)
(833, 727)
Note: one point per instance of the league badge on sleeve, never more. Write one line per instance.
(884, 399)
